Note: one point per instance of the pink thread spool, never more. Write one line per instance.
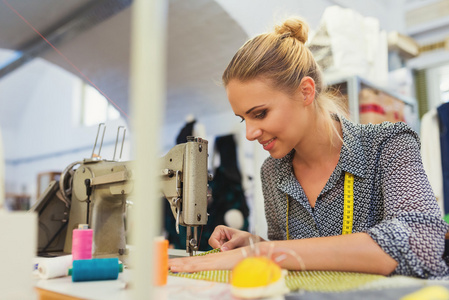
(82, 243)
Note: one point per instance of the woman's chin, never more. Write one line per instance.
(277, 155)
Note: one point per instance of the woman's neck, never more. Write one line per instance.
(317, 149)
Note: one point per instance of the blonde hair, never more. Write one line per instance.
(282, 58)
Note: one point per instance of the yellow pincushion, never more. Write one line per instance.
(256, 277)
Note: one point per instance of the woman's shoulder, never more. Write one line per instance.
(379, 133)
(389, 128)
(399, 132)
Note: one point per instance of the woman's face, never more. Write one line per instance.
(275, 119)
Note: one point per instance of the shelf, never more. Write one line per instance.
(357, 90)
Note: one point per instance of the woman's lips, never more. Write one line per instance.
(268, 145)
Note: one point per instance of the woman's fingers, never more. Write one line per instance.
(220, 236)
(227, 238)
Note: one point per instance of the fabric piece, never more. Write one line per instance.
(314, 281)
(328, 281)
(222, 276)
(348, 43)
(390, 293)
(324, 281)
(443, 116)
(393, 200)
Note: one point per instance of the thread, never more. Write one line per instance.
(82, 243)
(160, 261)
(95, 269)
(54, 267)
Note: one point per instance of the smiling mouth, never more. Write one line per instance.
(268, 142)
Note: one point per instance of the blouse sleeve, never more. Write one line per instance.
(412, 231)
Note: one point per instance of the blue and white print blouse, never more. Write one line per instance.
(393, 200)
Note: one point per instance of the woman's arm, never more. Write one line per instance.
(412, 230)
(353, 252)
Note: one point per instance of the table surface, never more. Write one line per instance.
(176, 288)
(191, 289)
(185, 288)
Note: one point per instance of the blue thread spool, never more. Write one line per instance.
(95, 269)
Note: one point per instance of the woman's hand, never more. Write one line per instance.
(227, 238)
(216, 261)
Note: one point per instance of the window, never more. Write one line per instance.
(95, 108)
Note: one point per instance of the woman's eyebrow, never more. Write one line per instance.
(250, 110)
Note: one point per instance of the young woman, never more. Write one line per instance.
(274, 84)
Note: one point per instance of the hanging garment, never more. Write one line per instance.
(431, 155)
(443, 116)
(227, 192)
(186, 131)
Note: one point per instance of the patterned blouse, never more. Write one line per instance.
(393, 200)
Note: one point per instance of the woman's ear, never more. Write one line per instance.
(307, 89)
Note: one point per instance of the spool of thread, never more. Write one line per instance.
(95, 269)
(54, 267)
(160, 261)
(82, 243)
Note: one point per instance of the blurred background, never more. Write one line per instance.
(64, 69)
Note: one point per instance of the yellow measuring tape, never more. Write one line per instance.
(348, 208)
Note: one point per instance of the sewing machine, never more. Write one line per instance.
(96, 193)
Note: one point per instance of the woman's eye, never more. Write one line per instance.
(262, 114)
(242, 120)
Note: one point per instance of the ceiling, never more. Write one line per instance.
(92, 37)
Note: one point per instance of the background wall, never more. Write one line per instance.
(47, 137)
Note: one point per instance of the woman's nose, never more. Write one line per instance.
(252, 131)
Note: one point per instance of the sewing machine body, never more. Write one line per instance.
(111, 185)
(183, 181)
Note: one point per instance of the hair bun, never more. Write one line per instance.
(295, 28)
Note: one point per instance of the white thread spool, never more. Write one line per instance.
(54, 267)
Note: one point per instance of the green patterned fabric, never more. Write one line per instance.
(208, 252)
(222, 276)
(316, 281)
(328, 281)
